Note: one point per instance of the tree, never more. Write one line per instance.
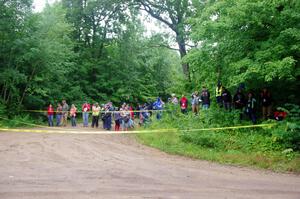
(174, 15)
(256, 42)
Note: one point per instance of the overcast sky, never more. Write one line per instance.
(150, 24)
(40, 4)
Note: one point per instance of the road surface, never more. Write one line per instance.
(72, 166)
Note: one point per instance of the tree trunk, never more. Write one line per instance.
(182, 50)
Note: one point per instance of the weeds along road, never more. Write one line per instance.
(116, 166)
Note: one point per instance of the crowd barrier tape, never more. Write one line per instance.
(83, 131)
(134, 111)
(62, 130)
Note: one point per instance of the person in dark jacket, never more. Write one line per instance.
(108, 116)
(205, 98)
(219, 91)
(251, 107)
(226, 98)
(239, 100)
(117, 118)
(266, 102)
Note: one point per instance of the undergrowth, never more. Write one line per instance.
(275, 148)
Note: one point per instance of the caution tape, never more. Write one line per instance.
(30, 124)
(83, 131)
(134, 111)
(232, 127)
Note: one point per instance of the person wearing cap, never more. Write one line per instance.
(95, 115)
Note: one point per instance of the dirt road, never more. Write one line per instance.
(115, 166)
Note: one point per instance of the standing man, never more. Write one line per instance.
(266, 101)
(226, 98)
(195, 102)
(85, 114)
(250, 107)
(95, 114)
(108, 113)
(205, 98)
(239, 101)
(65, 109)
(158, 106)
(219, 91)
(58, 114)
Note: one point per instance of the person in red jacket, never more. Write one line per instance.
(85, 114)
(50, 113)
(183, 104)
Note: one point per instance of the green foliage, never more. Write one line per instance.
(242, 41)
(288, 133)
(265, 147)
(79, 51)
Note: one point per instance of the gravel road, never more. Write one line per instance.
(116, 166)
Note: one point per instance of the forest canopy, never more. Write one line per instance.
(98, 50)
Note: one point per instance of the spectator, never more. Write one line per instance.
(219, 91)
(58, 114)
(195, 102)
(117, 118)
(250, 107)
(73, 112)
(158, 106)
(174, 99)
(50, 113)
(65, 111)
(205, 98)
(226, 98)
(183, 104)
(266, 101)
(85, 114)
(95, 115)
(239, 101)
(107, 116)
(125, 115)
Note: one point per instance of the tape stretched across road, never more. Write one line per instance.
(84, 131)
(141, 111)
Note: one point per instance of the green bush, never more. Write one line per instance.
(284, 136)
(288, 132)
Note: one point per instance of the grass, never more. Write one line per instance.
(173, 144)
(275, 149)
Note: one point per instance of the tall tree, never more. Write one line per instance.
(256, 42)
(174, 14)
